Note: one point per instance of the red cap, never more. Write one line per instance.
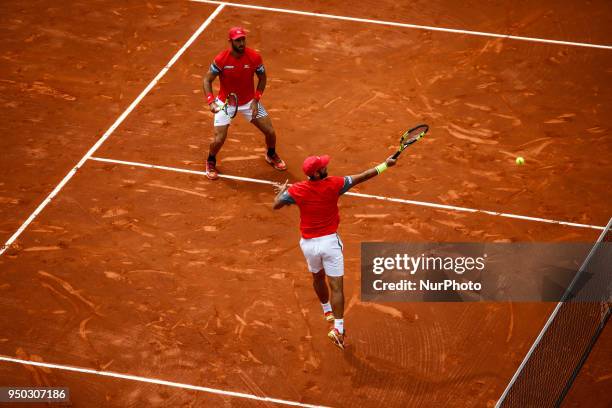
(236, 32)
(314, 163)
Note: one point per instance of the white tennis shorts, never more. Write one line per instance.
(324, 253)
(223, 119)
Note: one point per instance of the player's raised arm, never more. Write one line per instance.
(369, 173)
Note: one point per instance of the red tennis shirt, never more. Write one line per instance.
(318, 204)
(236, 74)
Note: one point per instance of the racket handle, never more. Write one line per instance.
(396, 155)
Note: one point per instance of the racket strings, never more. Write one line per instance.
(232, 105)
(409, 137)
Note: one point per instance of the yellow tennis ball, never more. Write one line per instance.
(520, 161)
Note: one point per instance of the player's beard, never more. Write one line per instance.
(322, 174)
(238, 50)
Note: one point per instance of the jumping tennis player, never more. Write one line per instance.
(236, 67)
(317, 199)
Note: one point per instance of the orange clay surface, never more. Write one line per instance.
(171, 276)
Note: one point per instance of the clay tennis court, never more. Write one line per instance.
(142, 270)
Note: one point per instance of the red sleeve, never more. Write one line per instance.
(338, 182)
(294, 192)
(256, 58)
(219, 61)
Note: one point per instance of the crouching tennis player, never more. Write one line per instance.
(317, 199)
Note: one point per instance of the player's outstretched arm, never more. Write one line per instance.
(369, 173)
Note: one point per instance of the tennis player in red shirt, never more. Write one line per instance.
(236, 68)
(317, 199)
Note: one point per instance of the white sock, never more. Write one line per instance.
(339, 325)
(326, 307)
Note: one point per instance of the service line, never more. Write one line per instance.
(406, 25)
(371, 196)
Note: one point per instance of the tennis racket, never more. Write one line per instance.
(409, 137)
(230, 106)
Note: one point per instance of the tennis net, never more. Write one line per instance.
(557, 355)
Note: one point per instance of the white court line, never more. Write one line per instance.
(376, 197)
(156, 381)
(406, 25)
(110, 131)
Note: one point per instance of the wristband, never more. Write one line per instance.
(381, 167)
(258, 95)
(210, 98)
